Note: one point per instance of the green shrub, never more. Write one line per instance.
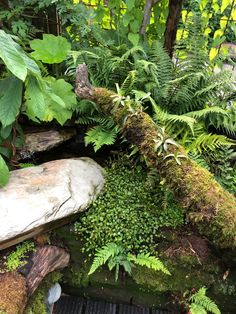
(130, 212)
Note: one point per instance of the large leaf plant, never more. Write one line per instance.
(25, 90)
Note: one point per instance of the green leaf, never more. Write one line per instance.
(51, 49)
(35, 104)
(98, 136)
(10, 99)
(134, 38)
(5, 132)
(130, 4)
(197, 309)
(61, 100)
(64, 90)
(4, 172)
(224, 5)
(48, 99)
(148, 261)
(103, 255)
(13, 60)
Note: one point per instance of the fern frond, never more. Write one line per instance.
(201, 299)
(132, 52)
(172, 121)
(128, 83)
(197, 309)
(163, 63)
(102, 255)
(203, 113)
(209, 141)
(198, 158)
(148, 261)
(99, 136)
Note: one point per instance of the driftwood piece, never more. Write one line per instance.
(44, 261)
(207, 204)
(17, 287)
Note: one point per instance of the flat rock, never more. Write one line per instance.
(43, 140)
(40, 198)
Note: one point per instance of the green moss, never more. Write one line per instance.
(209, 206)
(182, 278)
(36, 303)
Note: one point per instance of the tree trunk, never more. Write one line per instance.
(172, 22)
(207, 204)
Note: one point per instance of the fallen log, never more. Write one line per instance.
(17, 287)
(207, 204)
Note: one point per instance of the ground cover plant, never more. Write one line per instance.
(130, 212)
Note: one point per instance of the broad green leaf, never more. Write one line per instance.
(30, 64)
(51, 49)
(224, 5)
(35, 104)
(10, 99)
(130, 4)
(5, 132)
(134, 26)
(218, 41)
(218, 33)
(213, 53)
(4, 172)
(48, 99)
(127, 18)
(223, 22)
(61, 100)
(63, 90)
(12, 58)
(203, 4)
(134, 38)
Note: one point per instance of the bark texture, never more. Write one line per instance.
(207, 204)
(175, 7)
(45, 260)
(17, 287)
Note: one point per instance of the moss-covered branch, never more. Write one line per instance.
(207, 204)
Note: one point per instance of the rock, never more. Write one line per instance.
(41, 141)
(40, 198)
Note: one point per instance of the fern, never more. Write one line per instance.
(208, 141)
(200, 300)
(149, 262)
(102, 255)
(99, 136)
(115, 256)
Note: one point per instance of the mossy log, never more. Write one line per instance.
(207, 204)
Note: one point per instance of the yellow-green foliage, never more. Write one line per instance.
(18, 257)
